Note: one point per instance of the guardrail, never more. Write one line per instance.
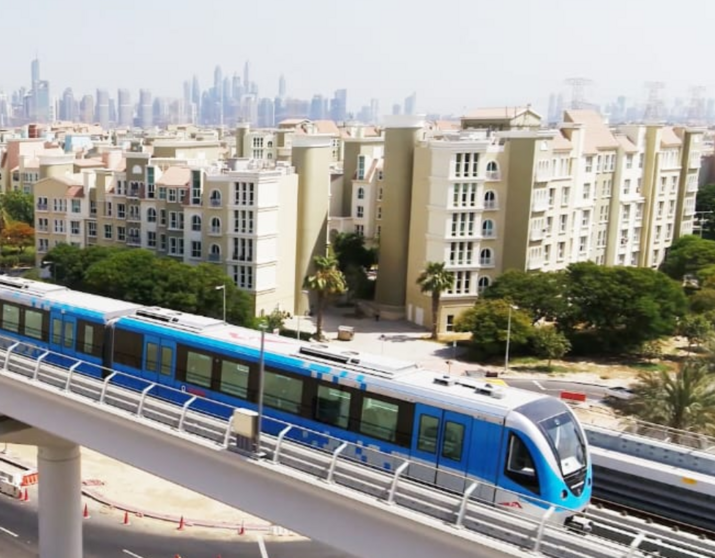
(191, 415)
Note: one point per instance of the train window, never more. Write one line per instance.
(152, 356)
(427, 437)
(56, 331)
(128, 348)
(167, 356)
(89, 338)
(453, 441)
(68, 341)
(283, 392)
(198, 368)
(379, 419)
(10, 318)
(33, 323)
(332, 406)
(234, 378)
(520, 464)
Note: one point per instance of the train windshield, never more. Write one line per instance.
(565, 437)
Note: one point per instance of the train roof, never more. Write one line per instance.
(40, 292)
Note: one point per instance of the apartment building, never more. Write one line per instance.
(242, 218)
(503, 193)
(20, 167)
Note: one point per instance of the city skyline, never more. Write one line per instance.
(520, 54)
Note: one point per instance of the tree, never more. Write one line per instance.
(685, 401)
(68, 264)
(18, 206)
(488, 322)
(705, 203)
(350, 250)
(327, 280)
(549, 343)
(19, 235)
(621, 307)
(703, 301)
(695, 328)
(688, 255)
(539, 292)
(435, 279)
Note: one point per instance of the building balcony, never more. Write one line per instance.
(540, 204)
(692, 186)
(41, 207)
(695, 162)
(242, 257)
(543, 175)
(535, 263)
(493, 175)
(537, 234)
(486, 262)
(215, 202)
(490, 205)
(215, 231)
(196, 201)
(214, 258)
(134, 241)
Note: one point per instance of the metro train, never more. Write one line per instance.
(527, 451)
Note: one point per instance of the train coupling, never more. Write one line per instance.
(579, 523)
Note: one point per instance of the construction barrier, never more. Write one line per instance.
(573, 396)
(29, 479)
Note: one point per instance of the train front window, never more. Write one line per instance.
(566, 441)
(520, 464)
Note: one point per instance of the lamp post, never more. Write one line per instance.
(223, 288)
(261, 374)
(508, 337)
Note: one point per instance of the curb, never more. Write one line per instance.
(98, 497)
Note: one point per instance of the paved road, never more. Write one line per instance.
(104, 537)
(555, 387)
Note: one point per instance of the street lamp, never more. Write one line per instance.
(223, 288)
(508, 337)
(261, 374)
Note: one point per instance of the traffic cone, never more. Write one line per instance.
(242, 529)
(25, 496)
(85, 513)
(126, 518)
(181, 525)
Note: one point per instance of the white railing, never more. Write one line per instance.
(466, 506)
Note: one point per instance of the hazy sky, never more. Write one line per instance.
(456, 55)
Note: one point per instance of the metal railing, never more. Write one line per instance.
(339, 463)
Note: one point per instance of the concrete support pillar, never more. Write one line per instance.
(60, 513)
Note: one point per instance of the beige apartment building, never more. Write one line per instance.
(503, 193)
(243, 218)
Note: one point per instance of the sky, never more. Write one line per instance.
(456, 54)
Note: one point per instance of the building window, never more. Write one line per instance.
(492, 170)
(450, 322)
(215, 199)
(215, 225)
(466, 165)
(215, 253)
(563, 223)
(244, 193)
(361, 193)
(460, 253)
(587, 191)
(196, 223)
(462, 282)
(589, 164)
(121, 211)
(121, 234)
(361, 167)
(490, 200)
(629, 161)
(360, 211)
(243, 276)
(162, 193)
(108, 232)
(243, 221)
(586, 218)
(483, 284)
(462, 224)
(488, 229)
(151, 239)
(43, 245)
(243, 249)
(464, 195)
(565, 193)
(485, 257)
(74, 227)
(196, 249)
(92, 229)
(76, 206)
(582, 243)
(172, 195)
(360, 230)
(379, 213)
(560, 251)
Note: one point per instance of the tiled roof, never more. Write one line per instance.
(561, 143)
(175, 176)
(326, 127)
(627, 145)
(496, 113)
(669, 138)
(597, 135)
(75, 192)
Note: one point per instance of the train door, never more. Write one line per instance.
(63, 334)
(439, 448)
(159, 360)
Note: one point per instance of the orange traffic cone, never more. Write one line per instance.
(25, 496)
(126, 518)
(181, 525)
(85, 513)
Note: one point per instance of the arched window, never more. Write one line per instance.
(215, 225)
(361, 193)
(151, 215)
(215, 253)
(492, 170)
(482, 284)
(485, 257)
(269, 144)
(269, 156)
(488, 229)
(490, 199)
(137, 169)
(196, 223)
(215, 198)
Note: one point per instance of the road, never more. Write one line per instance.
(555, 387)
(105, 537)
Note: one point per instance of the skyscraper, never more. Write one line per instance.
(102, 108)
(411, 104)
(126, 110)
(67, 106)
(282, 86)
(86, 109)
(317, 108)
(41, 97)
(247, 77)
(338, 106)
(266, 113)
(145, 109)
(35, 71)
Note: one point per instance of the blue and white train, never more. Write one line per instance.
(527, 451)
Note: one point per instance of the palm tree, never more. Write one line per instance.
(435, 279)
(326, 281)
(684, 401)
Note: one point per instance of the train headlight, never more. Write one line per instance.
(564, 494)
